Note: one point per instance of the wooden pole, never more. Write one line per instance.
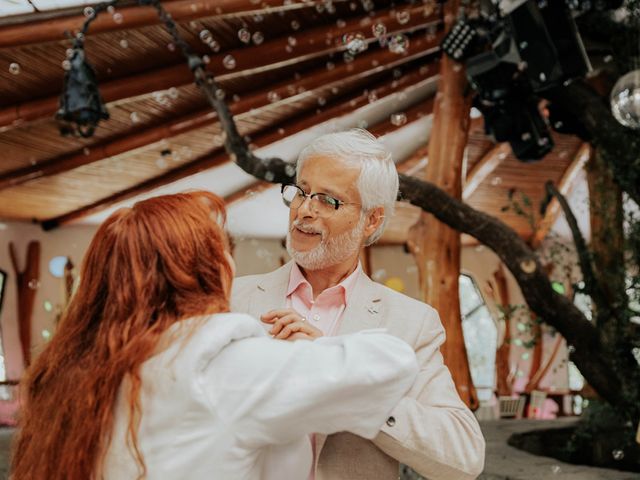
(51, 30)
(438, 254)
(27, 282)
(503, 385)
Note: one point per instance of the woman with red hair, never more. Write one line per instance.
(149, 375)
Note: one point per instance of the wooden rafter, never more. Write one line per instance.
(323, 80)
(270, 55)
(217, 158)
(485, 167)
(564, 186)
(52, 30)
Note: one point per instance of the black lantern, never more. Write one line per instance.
(81, 106)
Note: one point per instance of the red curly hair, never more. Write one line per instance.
(148, 267)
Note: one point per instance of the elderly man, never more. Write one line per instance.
(345, 192)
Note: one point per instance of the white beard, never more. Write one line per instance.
(329, 252)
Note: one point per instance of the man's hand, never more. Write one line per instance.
(290, 325)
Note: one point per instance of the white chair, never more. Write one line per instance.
(511, 407)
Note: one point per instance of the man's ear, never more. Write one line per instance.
(375, 217)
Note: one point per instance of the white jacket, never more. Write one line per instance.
(229, 402)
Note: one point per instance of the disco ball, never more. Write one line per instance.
(625, 100)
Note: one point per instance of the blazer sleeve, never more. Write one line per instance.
(431, 429)
(274, 391)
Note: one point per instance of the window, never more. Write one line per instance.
(480, 337)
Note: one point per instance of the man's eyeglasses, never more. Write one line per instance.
(323, 204)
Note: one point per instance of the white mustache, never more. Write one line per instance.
(305, 228)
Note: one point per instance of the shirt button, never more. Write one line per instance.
(391, 421)
(316, 317)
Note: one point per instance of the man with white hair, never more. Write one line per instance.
(345, 192)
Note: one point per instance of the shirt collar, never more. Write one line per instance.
(296, 279)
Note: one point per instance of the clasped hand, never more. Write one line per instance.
(287, 324)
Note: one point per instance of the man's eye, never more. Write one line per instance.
(329, 200)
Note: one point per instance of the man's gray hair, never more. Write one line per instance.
(378, 180)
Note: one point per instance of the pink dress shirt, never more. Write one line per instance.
(324, 313)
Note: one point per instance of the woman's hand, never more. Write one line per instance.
(290, 325)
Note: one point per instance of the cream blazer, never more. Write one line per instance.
(430, 429)
(229, 402)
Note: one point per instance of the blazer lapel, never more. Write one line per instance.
(365, 307)
(270, 291)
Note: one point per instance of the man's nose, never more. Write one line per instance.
(308, 208)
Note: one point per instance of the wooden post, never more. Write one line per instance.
(27, 281)
(503, 385)
(435, 245)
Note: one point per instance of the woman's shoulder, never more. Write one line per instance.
(199, 339)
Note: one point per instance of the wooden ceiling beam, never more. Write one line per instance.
(270, 55)
(219, 156)
(52, 30)
(564, 185)
(324, 81)
(485, 167)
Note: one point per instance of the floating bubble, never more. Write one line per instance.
(229, 62)
(372, 97)
(355, 42)
(295, 25)
(48, 306)
(398, 43)
(290, 169)
(171, 47)
(173, 92)
(292, 41)
(269, 176)
(625, 100)
(220, 94)
(403, 17)
(258, 38)
(618, 454)
(244, 35)
(379, 30)
(495, 181)
(117, 17)
(378, 275)
(66, 65)
(86, 151)
(528, 266)
(205, 36)
(322, 101)
(88, 11)
(555, 469)
(340, 23)
(124, 43)
(398, 119)
(34, 284)
(161, 163)
(14, 68)
(273, 97)
(46, 334)
(330, 65)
